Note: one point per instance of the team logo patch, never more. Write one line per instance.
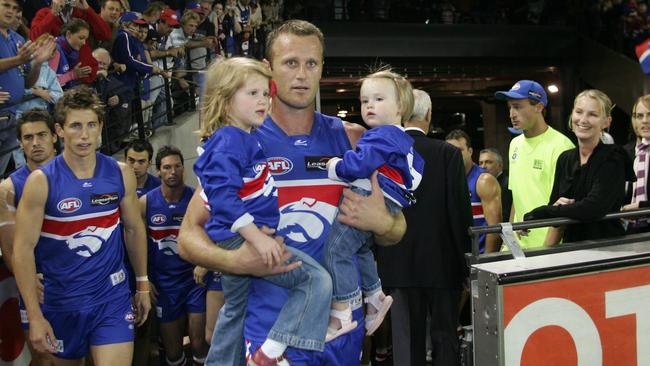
(158, 219)
(103, 199)
(316, 162)
(538, 164)
(69, 205)
(259, 167)
(279, 165)
(177, 218)
(129, 316)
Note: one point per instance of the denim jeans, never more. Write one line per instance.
(302, 322)
(343, 242)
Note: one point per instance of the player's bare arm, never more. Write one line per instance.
(489, 192)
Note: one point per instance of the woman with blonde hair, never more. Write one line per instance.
(589, 179)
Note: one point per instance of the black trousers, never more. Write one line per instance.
(409, 316)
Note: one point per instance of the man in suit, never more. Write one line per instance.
(432, 250)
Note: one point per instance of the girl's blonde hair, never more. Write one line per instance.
(404, 89)
(222, 81)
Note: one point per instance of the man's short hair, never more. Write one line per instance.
(296, 27)
(139, 146)
(421, 105)
(457, 135)
(34, 115)
(80, 97)
(103, 3)
(166, 151)
(497, 154)
(100, 50)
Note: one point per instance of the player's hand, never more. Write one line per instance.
(45, 50)
(142, 304)
(199, 275)
(41, 335)
(366, 213)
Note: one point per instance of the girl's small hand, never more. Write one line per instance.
(269, 250)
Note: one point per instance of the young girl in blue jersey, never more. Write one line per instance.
(239, 192)
(386, 102)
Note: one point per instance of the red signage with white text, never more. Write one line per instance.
(591, 319)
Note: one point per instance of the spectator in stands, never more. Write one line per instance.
(229, 27)
(129, 50)
(484, 192)
(110, 12)
(163, 54)
(637, 151)
(181, 38)
(258, 35)
(490, 159)
(46, 91)
(117, 98)
(201, 43)
(590, 179)
(69, 68)
(50, 20)
(533, 154)
(211, 19)
(138, 155)
(152, 13)
(20, 65)
(243, 40)
(20, 25)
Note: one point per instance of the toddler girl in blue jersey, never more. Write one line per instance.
(239, 192)
(386, 102)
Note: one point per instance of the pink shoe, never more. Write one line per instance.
(373, 321)
(347, 324)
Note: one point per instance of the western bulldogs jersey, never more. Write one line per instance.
(477, 207)
(151, 183)
(81, 236)
(167, 269)
(308, 203)
(236, 182)
(389, 150)
(18, 178)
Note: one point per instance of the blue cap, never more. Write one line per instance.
(524, 89)
(131, 16)
(195, 7)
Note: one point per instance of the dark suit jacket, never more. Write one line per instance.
(431, 254)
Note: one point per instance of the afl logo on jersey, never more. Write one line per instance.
(158, 219)
(279, 165)
(259, 167)
(69, 205)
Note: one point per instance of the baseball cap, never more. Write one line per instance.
(131, 16)
(195, 7)
(524, 89)
(170, 17)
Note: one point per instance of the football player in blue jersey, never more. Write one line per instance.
(81, 201)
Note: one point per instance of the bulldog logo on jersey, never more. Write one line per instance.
(165, 238)
(305, 220)
(82, 234)
(88, 241)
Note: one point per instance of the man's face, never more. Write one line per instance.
(37, 141)
(297, 65)
(207, 7)
(111, 11)
(139, 161)
(8, 11)
(80, 131)
(523, 113)
(103, 61)
(190, 27)
(489, 162)
(164, 29)
(171, 171)
(465, 151)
